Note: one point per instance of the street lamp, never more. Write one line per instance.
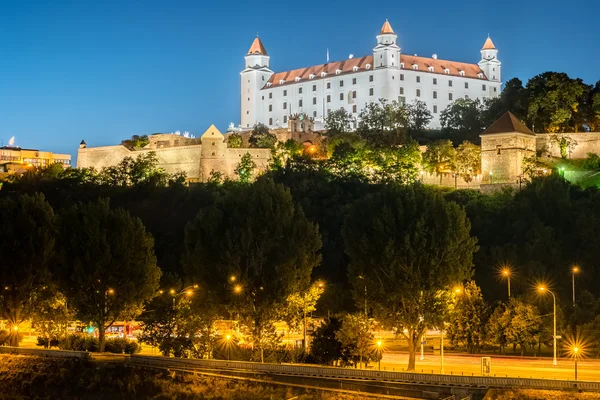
(506, 274)
(237, 289)
(576, 356)
(228, 344)
(574, 271)
(379, 351)
(545, 289)
(491, 178)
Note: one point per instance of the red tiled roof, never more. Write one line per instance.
(507, 123)
(488, 45)
(386, 28)
(347, 66)
(257, 48)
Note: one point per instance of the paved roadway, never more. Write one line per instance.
(526, 367)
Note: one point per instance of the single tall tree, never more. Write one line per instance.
(407, 245)
(253, 249)
(468, 318)
(107, 268)
(27, 245)
(440, 157)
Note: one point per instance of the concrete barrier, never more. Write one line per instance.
(347, 373)
(44, 352)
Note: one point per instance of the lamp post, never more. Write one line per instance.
(491, 178)
(574, 271)
(544, 289)
(379, 346)
(506, 274)
(576, 355)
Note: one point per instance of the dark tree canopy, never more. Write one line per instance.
(256, 235)
(407, 245)
(27, 245)
(107, 268)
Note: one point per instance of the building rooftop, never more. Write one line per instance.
(488, 45)
(408, 62)
(257, 48)
(508, 123)
(386, 28)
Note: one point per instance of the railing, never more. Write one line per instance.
(44, 352)
(332, 372)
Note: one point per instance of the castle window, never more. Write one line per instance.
(297, 79)
(402, 100)
(415, 66)
(401, 65)
(285, 105)
(495, 89)
(446, 71)
(213, 143)
(480, 75)
(285, 119)
(323, 74)
(462, 73)
(285, 92)
(401, 77)
(270, 121)
(314, 100)
(281, 82)
(370, 78)
(435, 81)
(450, 83)
(341, 96)
(371, 92)
(435, 94)
(450, 96)
(263, 78)
(263, 97)
(338, 71)
(401, 90)
(341, 83)
(430, 68)
(329, 98)
(314, 114)
(418, 79)
(466, 85)
(368, 66)
(483, 87)
(328, 85)
(354, 109)
(270, 107)
(467, 96)
(311, 76)
(354, 94)
(213, 153)
(498, 149)
(299, 90)
(270, 95)
(354, 81)
(418, 92)
(300, 103)
(314, 88)
(355, 68)
(435, 109)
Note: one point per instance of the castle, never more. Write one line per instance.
(270, 98)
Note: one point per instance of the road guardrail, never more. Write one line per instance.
(347, 373)
(44, 352)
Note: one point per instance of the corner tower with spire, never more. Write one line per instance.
(386, 53)
(489, 63)
(254, 77)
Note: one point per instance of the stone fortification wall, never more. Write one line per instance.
(448, 180)
(172, 159)
(587, 142)
(502, 156)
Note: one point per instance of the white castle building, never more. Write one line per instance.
(271, 98)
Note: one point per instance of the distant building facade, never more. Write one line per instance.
(17, 160)
(271, 98)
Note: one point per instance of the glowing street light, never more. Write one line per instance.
(574, 271)
(576, 356)
(228, 344)
(506, 273)
(544, 289)
(237, 289)
(379, 351)
(232, 278)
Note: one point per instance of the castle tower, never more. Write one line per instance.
(387, 53)
(504, 145)
(213, 153)
(489, 63)
(255, 76)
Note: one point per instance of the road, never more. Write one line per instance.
(517, 367)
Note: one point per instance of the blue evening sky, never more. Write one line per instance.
(105, 70)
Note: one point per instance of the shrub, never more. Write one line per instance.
(592, 161)
(122, 346)
(79, 343)
(47, 342)
(10, 338)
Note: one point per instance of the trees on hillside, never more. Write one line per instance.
(468, 318)
(27, 245)
(439, 157)
(468, 161)
(245, 168)
(261, 137)
(338, 122)
(106, 268)
(255, 248)
(464, 119)
(406, 245)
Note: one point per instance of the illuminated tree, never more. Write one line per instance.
(440, 157)
(468, 318)
(468, 160)
(234, 140)
(245, 168)
(338, 122)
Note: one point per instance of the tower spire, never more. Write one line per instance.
(386, 28)
(257, 47)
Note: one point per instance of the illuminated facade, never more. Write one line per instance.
(15, 159)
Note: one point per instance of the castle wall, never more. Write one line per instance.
(587, 142)
(502, 155)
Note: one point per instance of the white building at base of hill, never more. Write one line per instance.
(271, 98)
